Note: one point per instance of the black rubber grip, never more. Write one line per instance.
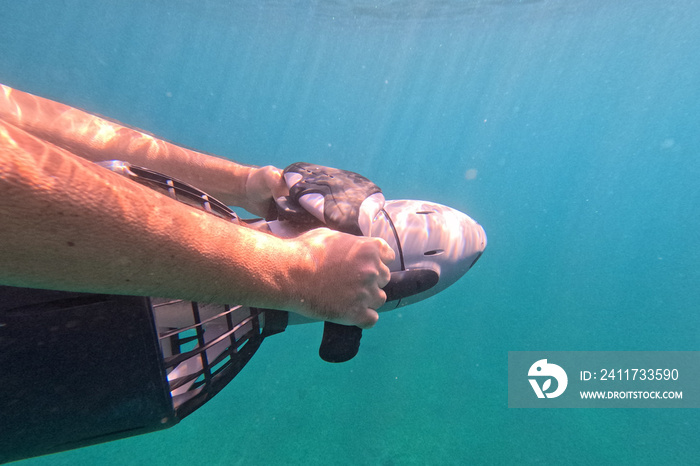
(340, 343)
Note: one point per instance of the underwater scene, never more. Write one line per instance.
(569, 129)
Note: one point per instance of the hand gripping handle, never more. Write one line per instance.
(328, 196)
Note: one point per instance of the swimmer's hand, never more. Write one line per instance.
(263, 185)
(344, 283)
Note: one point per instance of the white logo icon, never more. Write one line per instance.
(543, 369)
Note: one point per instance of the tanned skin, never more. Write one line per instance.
(69, 224)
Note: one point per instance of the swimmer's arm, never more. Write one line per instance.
(98, 139)
(70, 224)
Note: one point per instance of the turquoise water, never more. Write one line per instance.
(581, 119)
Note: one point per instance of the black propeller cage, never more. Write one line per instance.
(77, 369)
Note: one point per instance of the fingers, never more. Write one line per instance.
(381, 279)
(379, 301)
(387, 254)
(384, 277)
(370, 318)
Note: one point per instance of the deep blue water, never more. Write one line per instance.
(582, 121)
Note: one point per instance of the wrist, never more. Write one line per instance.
(296, 273)
(276, 274)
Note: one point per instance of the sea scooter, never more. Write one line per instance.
(78, 369)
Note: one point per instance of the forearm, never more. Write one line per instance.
(69, 224)
(97, 139)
